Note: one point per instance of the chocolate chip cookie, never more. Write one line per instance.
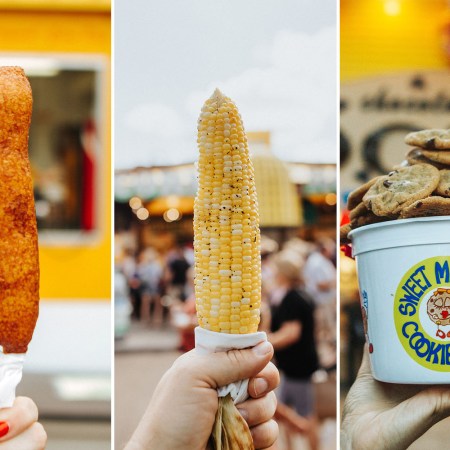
(415, 156)
(343, 234)
(355, 197)
(426, 207)
(443, 188)
(439, 156)
(435, 139)
(392, 193)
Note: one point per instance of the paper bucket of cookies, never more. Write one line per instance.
(404, 280)
(400, 238)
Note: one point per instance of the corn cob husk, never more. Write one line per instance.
(226, 244)
(230, 431)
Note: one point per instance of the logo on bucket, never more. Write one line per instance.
(365, 317)
(422, 313)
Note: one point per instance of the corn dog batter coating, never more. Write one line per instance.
(19, 264)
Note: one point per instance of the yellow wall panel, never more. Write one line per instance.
(385, 36)
(59, 5)
(33, 31)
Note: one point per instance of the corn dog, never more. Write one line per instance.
(19, 264)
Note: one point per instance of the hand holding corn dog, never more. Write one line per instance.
(19, 428)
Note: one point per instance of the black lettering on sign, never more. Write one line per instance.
(371, 150)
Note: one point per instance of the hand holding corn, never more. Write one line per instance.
(181, 413)
(227, 250)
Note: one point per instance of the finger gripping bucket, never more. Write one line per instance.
(404, 280)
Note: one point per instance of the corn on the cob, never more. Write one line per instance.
(226, 223)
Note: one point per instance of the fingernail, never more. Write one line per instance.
(4, 428)
(260, 386)
(243, 413)
(262, 349)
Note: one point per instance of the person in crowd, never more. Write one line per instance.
(269, 247)
(184, 316)
(267, 273)
(183, 408)
(177, 267)
(19, 427)
(320, 283)
(389, 416)
(128, 263)
(150, 272)
(128, 266)
(293, 338)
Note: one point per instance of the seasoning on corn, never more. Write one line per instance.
(226, 223)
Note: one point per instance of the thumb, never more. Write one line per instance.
(223, 368)
(365, 370)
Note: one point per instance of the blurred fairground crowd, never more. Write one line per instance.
(155, 300)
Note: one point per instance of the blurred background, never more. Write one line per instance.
(278, 65)
(64, 47)
(395, 78)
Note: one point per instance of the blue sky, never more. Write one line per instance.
(275, 59)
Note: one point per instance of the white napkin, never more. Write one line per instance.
(211, 342)
(11, 365)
